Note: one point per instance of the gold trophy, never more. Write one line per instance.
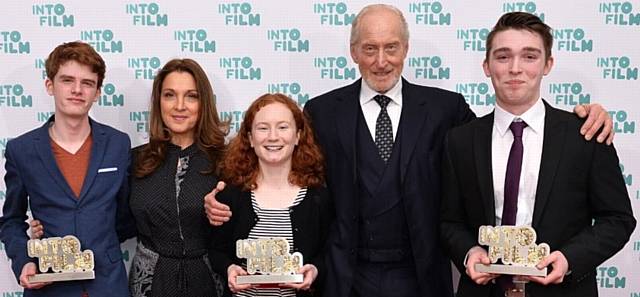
(63, 256)
(268, 261)
(516, 246)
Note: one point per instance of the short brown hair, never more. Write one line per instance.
(77, 51)
(522, 21)
(239, 166)
(209, 132)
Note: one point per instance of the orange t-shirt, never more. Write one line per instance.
(73, 166)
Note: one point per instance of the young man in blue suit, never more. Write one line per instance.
(72, 173)
(525, 164)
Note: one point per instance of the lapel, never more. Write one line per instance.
(97, 154)
(412, 118)
(552, 146)
(42, 144)
(346, 112)
(482, 157)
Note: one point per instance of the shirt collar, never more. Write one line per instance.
(534, 117)
(367, 93)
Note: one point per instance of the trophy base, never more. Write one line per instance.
(510, 269)
(269, 279)
(61, 276)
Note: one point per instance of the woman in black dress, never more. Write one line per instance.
(170, 176)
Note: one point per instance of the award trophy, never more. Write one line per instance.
(63, 256)
(271, 259)
(516, 246)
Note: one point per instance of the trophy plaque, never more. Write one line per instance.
(516, 246)
(268, 261)
(63, 256)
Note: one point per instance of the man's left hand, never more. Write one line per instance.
(560, 267)
(597, 117)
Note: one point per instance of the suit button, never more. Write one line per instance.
(352, 251)
(354, 218)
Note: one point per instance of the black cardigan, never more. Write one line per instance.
(310, 223)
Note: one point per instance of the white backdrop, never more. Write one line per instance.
(301, 48)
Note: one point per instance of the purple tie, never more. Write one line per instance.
(511, 183)
(512, 179)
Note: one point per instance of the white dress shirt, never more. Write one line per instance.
(501, 141)
(371, 108)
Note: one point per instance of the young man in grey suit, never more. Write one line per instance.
(525, 164)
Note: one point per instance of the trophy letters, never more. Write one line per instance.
(271, 259)
(63, 256)
(516, 246)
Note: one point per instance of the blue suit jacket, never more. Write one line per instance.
(34, 181)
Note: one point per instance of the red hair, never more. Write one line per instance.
(239, 166)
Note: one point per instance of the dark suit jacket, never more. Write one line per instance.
(33, 179)
(579, 181)
(309, 220)
(427, 114)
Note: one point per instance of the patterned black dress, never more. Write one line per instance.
(174, 235)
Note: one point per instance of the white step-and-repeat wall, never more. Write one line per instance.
(301, 48)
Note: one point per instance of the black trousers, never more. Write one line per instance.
(391, 279)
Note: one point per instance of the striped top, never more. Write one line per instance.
(273, 222)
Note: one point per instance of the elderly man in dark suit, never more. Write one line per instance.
(525, 164)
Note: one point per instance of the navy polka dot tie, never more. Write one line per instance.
(384, 130)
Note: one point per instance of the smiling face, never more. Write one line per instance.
(516, 66)
(274, 135)
(380, 49)
(180, 106)
(74, 89)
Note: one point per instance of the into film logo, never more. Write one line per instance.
(3, 148)
(430, 13)
(628, 178)
(110, 97)
(53, 15)
(608, 277)
(147, 14)
(477, 94)
(235, 119)
(43, 116)
(40, 64)
(618, 68)
(240, 68)
(334, 68)
(238, 14)
(568, 93)
(288, 40)
(101, 40)
(194, 41)
(333, 13)
(619, 13)
(473, 39)
(529, 7)
(144, 67)
(572, 40)
(622, 123)
(291, 89)
(140, 120)
(429, 68)
(11, 43)
(13, 96)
